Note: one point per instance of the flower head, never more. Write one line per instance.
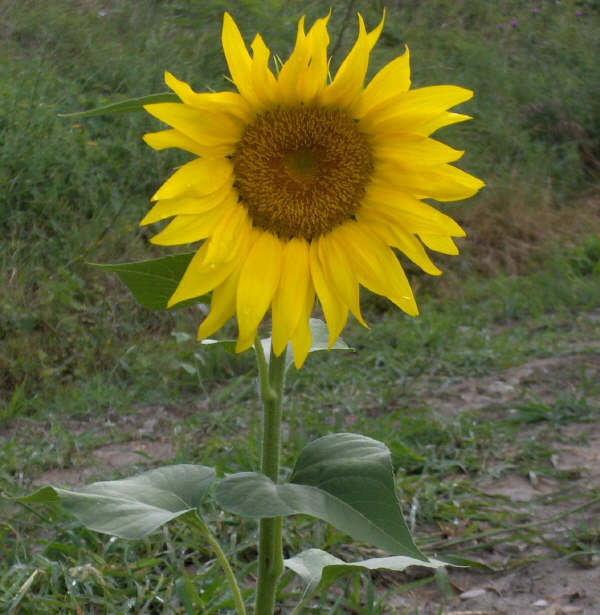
(304, 186)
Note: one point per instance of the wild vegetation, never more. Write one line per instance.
(85, 373)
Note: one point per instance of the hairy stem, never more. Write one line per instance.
(270, 554)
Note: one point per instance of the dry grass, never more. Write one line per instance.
(508, 233)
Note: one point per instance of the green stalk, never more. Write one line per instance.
(193, 520)
(270, 552)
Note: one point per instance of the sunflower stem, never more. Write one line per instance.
(270, 552)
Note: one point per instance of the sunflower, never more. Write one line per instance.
(305, 186)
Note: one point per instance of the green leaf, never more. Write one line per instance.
(131, 104)
(133, 507)
(153, 282)
(345, 479)
(320, 341)
(320, 337)
(320, 569)
(227, 345)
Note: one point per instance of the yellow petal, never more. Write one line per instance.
(181, 88)
(200, 279)
(288, 305)
(439, 243)
(173, 138)
(391, 80)
(188, 229)
(210, 129)
(445, 119)
(215, 102)
(238, 60)
(222, 306)
(225, 236)
(376, 266)
(314, 77)
(374, 34)
(407, 212)
(443, 182)
(304, 73)
(263, 79)
(349, 79)
(197, 177)
(414, 150)
(393, 235)
(334, 310)
(340, 274)
(404, 113)
(190, 205)
(258, 281)
(302, 337)
(293, 68)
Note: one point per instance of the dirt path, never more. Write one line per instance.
(533, 576)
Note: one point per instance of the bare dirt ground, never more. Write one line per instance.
(524, 576)
(532, 578)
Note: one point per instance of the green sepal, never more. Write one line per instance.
(154, 281)
(319, 569)
(345, 479)
(131, 104)
(137, 506)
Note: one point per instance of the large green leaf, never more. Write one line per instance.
(345, 479)
(131, 104)
(320, 569)
(153, 282)
(134, 507)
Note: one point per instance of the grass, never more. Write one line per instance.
(84, 205)
(82, 367)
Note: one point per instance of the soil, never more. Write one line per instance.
(544, 583)
(531, 578)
